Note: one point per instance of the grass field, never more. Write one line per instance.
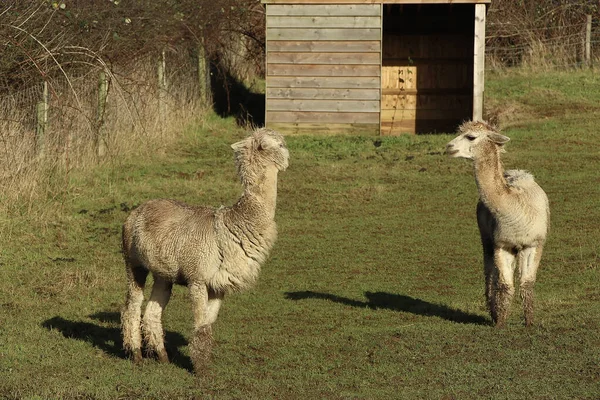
(374, 289)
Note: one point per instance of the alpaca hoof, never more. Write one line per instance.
(163, 357)
(201, 349)
(137, 356)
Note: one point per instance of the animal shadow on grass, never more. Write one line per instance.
(108, 339)
(397, 302)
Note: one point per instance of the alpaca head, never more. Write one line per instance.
(475, 137)
(263, 148)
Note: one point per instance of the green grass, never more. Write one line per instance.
(374, 289)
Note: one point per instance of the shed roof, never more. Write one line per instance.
(376, 1)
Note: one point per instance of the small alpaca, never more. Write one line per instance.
(513, 216)
(213, 251)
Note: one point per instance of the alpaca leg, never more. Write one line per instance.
(214, 305)
(201, 343)
(505, 288)
(529, 260)
(132, 312)
(485, 224)
(491, 280)
(152, 326)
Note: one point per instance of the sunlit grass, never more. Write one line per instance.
(374, 289)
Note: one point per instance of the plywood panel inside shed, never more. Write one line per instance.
(427, 71)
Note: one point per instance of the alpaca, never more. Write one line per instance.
(213, 251)
(513, 216)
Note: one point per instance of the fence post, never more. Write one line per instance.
(41, 119)
(203, 75)
(588, 41)
(162, 90)
(102, 96)
(479, 62)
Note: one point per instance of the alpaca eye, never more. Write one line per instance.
(471, 137)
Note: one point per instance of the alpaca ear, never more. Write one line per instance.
(239, 145)
(498, 138)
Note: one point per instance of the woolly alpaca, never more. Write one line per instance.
(513, 217)
(212, 251)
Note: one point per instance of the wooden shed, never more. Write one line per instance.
(374, 66)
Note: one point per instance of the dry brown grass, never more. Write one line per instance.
(134, 125)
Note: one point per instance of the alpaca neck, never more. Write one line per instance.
(489, 175)
(260, 198)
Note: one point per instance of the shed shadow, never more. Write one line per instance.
(232, 98)
(397, 302)
(108, 339)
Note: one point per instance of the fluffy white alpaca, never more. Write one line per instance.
(513, 217)
(213, 251)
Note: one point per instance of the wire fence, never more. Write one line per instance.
(71, 123)
(541, 48)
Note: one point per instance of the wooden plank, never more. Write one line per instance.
(418, 114)
(322, 117)
(420, 126)
(365, 82)
(325, 129)
(277, 21)
(479, 62)
(427, 45)
(322, 46)
(323, 34)
(328, 10)
(432, 91)
(433, 76)
(417, 62)
(322, 105)
(322, 58)
(329, 94)
(323, 70)
(301, 2)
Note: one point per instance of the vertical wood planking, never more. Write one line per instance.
(478, 62)
(323, 60)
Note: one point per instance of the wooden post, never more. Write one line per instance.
(41, 120)
(479, 62)
(203, 75)
(588, 41)
(162, 89)
(102, 95)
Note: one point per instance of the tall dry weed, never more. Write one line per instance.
(35, 170)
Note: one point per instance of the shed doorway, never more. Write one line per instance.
(427, 67)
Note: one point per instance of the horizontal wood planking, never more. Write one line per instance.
(322, 105)
(427, 77)
(330, 94)
(277, 21)
(322, 117)
(323, 58)
(331, 82)
(400, 114)
(325, 46)
(456, 103)
(327, 10)
(323, 34)
(420, 126)
(431, 91)
(326, 129)
(417, 46)
(322, 70)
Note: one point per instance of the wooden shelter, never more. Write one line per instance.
(374, 66)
